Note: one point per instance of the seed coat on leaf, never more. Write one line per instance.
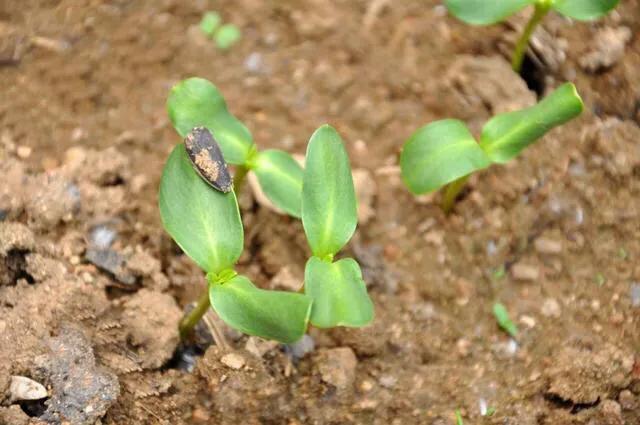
(207, 159)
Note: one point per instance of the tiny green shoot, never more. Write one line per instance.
(224, 35)
(599, 279)
(502, 317)
(490, 411)
(459, 420)
(445, 152)
(487, 12)
(197, 102)
(227, 36)
(329, 217)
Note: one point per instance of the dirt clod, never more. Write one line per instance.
(337, 367)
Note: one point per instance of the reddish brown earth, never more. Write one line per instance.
(554, 235)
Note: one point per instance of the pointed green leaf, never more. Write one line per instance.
(227, 36)
(196, 102)
(485, 12)
(280, 177)
(502, 317)
(584, 10)
(329, 212)
(203, 221)
(282, 316)
(506, 135)
(210, 23)
(438, 154)
(339, 294)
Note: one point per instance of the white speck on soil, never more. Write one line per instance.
(233, 361)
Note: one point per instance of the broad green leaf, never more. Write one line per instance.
(203, 221)
(210, 23)
(282, 316)
(506, 135)
(339, 294)
(226, 36)
(196, 102)
(584, 10)
(329, 212)
(280, 177)
(485, 12)
(440, 153)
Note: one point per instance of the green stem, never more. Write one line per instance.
(190, 320)
(541, 9)
(239, 178)
(451, 192)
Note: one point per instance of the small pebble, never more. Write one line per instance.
(550, 308)
(388, 381)
(635, 294)
(24, 152)
(233, 360)
(548, 246)
(23, 388)
(627, 400)
(525, 272)
(301, 348)
(102, 236)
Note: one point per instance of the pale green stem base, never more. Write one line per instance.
(239, 179)
(190, 320)
(542, 8)
(451, 192)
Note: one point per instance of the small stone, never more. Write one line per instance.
(233, 361)
(550, 308)
(627, 400)
(102, 236)
(548, 246)
(365, 386)
(464, 347)
(525, 272)
(388, 381)
(23, 152)
(302, 347)
(23, 388)
(611, 413)
(635, 294)
(337, 367)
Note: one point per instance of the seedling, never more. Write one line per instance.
(204, 220)
(445, 153)
(459, 420)
(487, 12)
(195, 102)
(502, 317)
(224, 35)
(329, 217)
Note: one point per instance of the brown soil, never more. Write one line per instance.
(554, 235)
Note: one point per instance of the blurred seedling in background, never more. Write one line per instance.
(224, 35)
(195, 102)
(201, 214)
(445, 153)
(504, 321)
(487, 12)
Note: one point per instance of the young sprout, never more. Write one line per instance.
(486, 12)
(195, 102)
(502, 317)
(224, 35)
(445, 153)
(205, 223)
(329, 217)
(459, 420)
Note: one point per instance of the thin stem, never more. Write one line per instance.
(190, 320)
(451, 192)
(541, 9)
(239, 178)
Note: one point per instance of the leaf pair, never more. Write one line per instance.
(444, 151)
(486, 12)
(196, 102)
(224, 35)
(329, 217)
(206, 224)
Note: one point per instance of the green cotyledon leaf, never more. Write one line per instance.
(506, 135)
(278, 315)
(584, 10)
(196, 102)
(339, 294)
(203, 221)
(329, 211)
(438, 154)
(485, 12)
(280, 178)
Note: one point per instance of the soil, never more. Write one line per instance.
(92, 288)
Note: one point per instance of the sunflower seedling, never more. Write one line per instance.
(205, 223)
(445, 153)
(487, 12)
(195, 102)
(329, 217)
(223, 35)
